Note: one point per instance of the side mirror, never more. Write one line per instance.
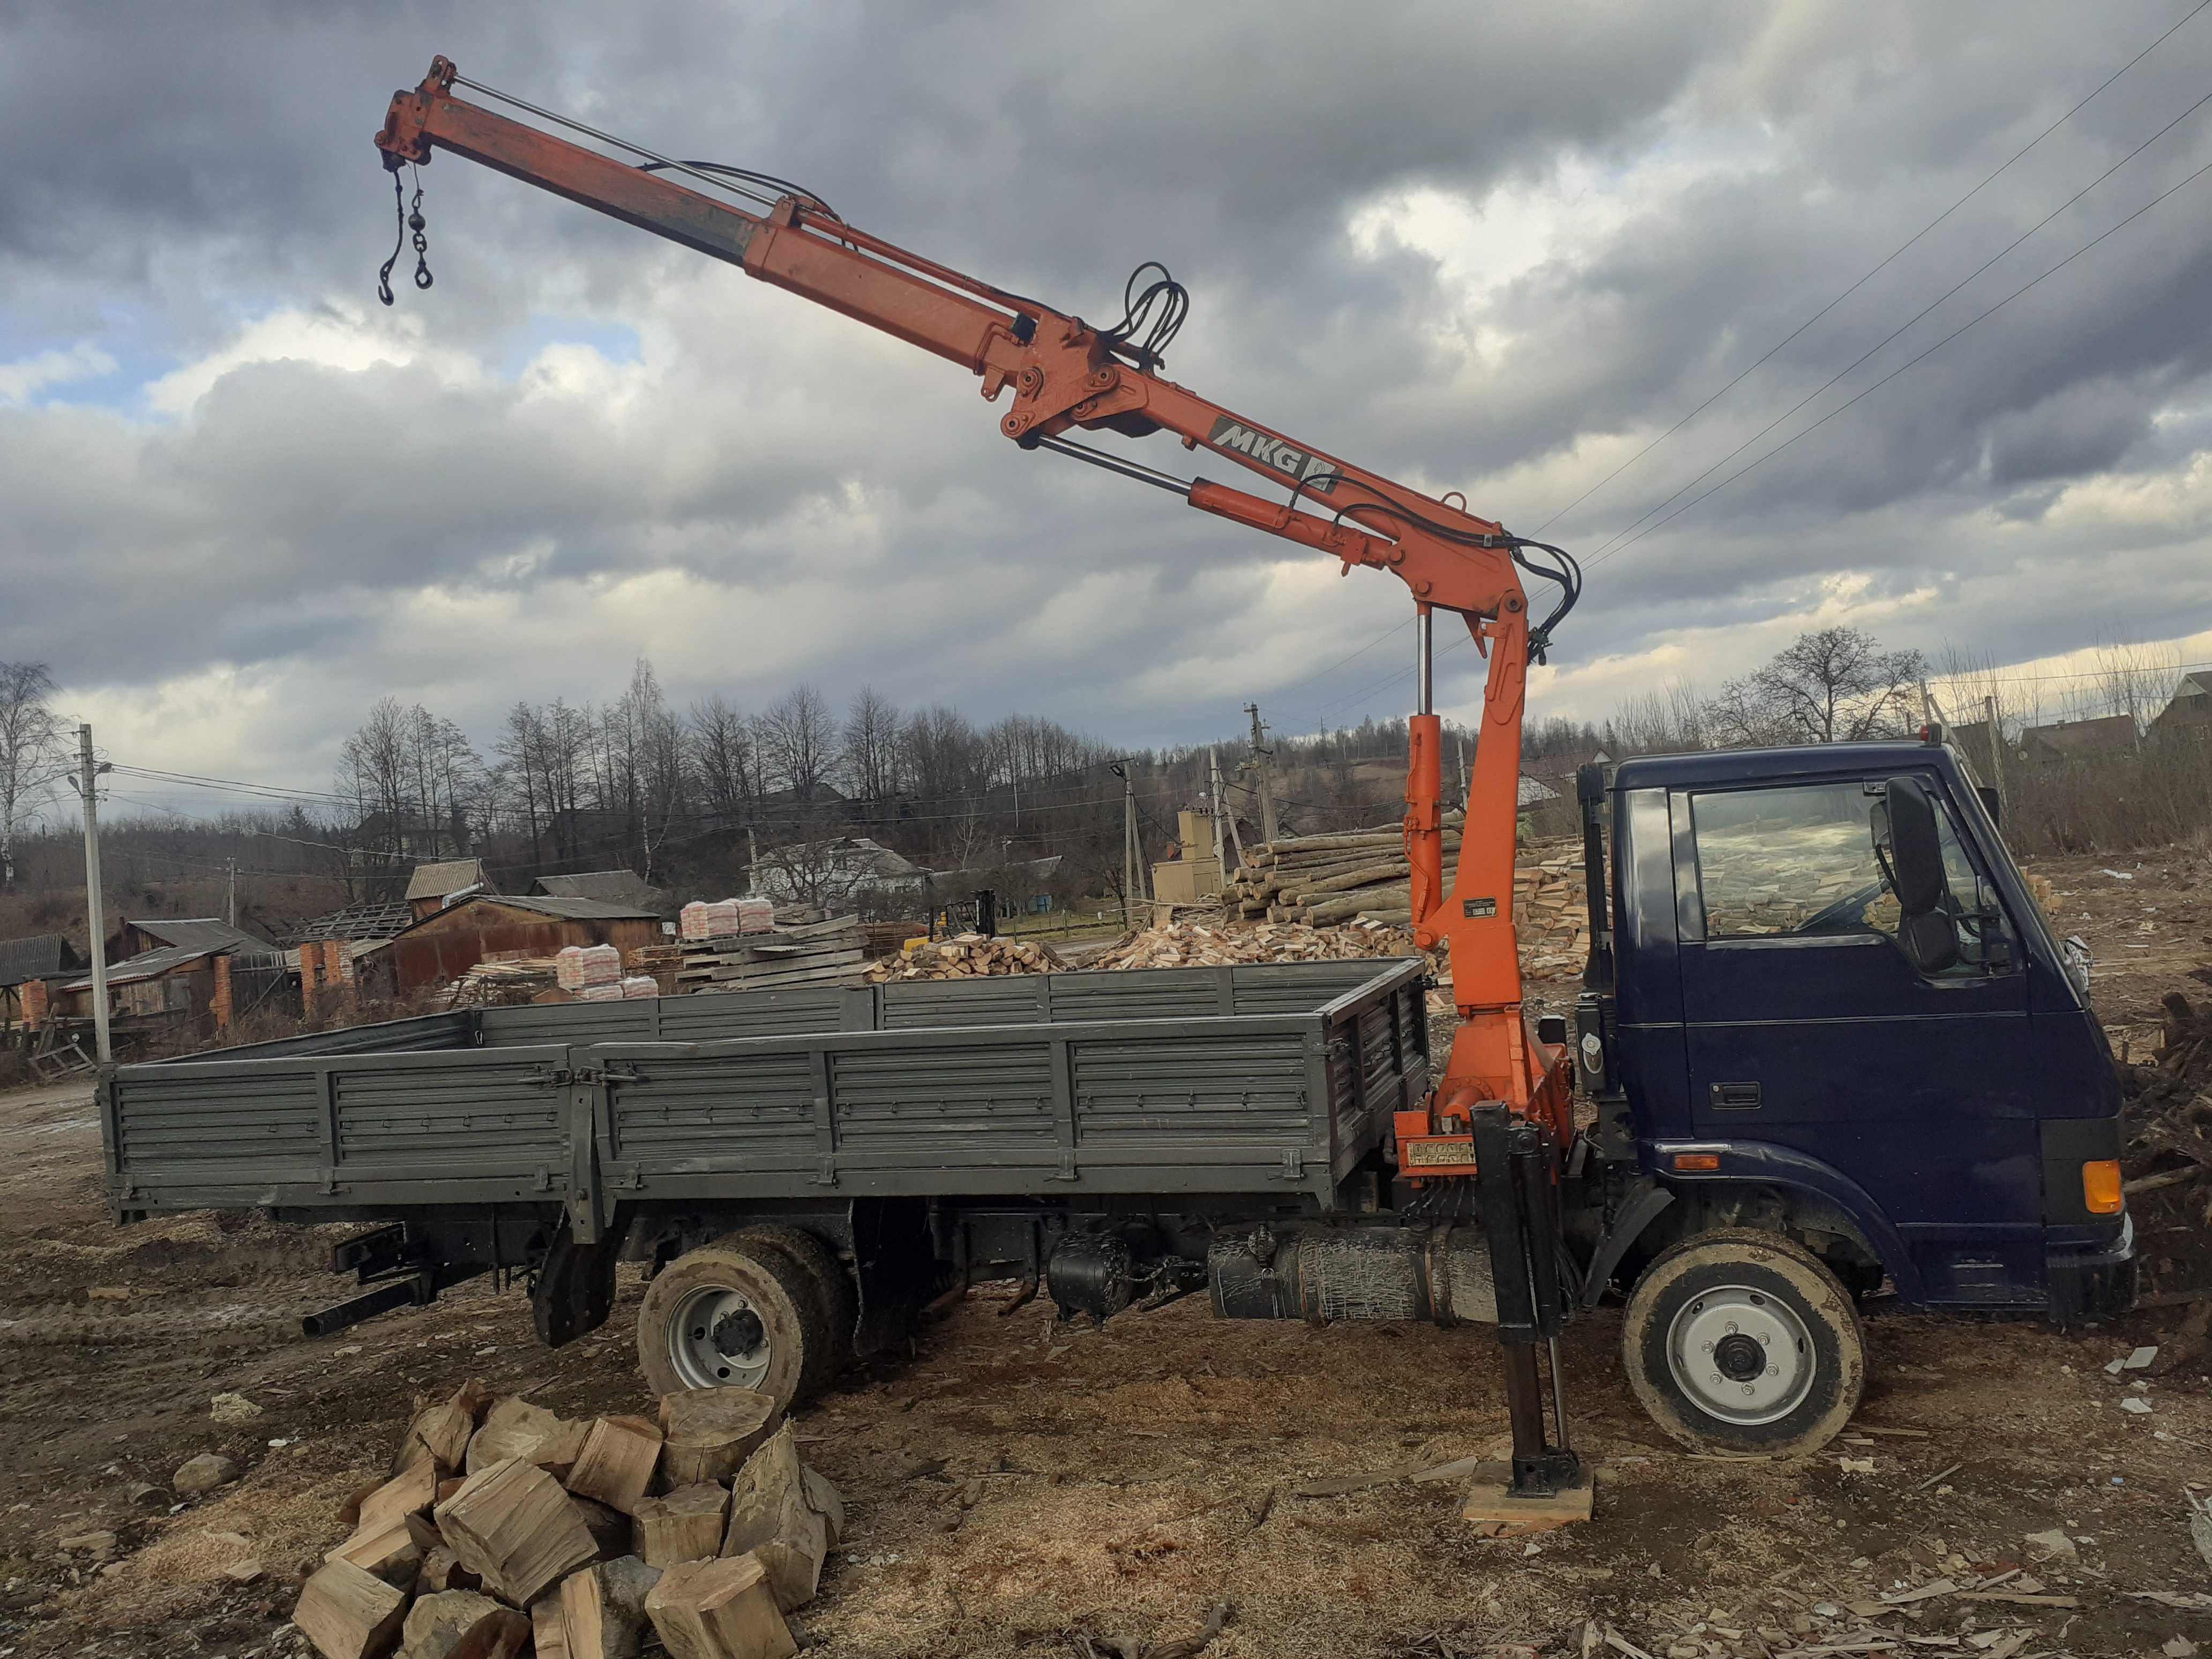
(1916, 855)
(1992, 802)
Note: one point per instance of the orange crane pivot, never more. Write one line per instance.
(1066, 374)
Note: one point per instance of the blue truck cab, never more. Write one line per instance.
(1827, 1014)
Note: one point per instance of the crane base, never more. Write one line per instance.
(1496, 1513)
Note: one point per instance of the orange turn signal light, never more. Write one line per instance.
(1694, 1161)
(2100, 1186)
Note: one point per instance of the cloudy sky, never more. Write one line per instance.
(1496, 249)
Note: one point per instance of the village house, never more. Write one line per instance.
(445, 944)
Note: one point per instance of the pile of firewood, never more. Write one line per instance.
(1185, 945)
(967, 956)
(1550, 909)
(505, 1527)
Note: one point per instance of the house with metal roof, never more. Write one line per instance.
(44, 959)
(440, 947)
(2189, 708)
(136, 935)
(433, 886)
(607, 886)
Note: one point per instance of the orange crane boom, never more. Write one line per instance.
(1066, 374)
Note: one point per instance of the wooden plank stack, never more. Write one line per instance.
(502, 979)
(584, 1563)
(832, 952)
(967, 956)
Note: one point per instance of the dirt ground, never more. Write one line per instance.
(1018, 1489)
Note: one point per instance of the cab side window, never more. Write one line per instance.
(1792, 861)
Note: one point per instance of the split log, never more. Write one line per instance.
(440, 1433)
(603, 1608)
(547, 1634)
(617, 1464)
(515, 1428)
(442, 1570)
(408, 1493)
(394, 1553)
(463, 1624)
(349, 1614)
(826, 1499)
(720, 1609)
(710, 1433)
(686, 1525)
(770, 1518)
(515, 1528)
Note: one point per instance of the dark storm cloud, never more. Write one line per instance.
(1704, 179)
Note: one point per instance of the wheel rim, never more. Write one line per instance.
(1740, 1355)
(718, 1338)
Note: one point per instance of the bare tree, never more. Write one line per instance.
(870, 752)
(1838, 685)
(32, 754)
(725, 758)
(799, 742)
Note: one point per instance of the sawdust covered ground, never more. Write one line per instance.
(1012, 1486)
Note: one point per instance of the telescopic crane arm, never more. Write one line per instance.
(1066, 374)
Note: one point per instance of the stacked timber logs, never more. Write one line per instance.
(966, 956)
(507, 1527)
(1321, 879)
(829, 952)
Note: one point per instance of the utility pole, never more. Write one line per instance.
(1132, 848)
(1224, 821)
(1996, 745)
(1262, 755)
(230, 906)
(88, 787)
(752, 856)
(1460, 738)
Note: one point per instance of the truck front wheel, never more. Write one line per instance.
(738, 1312)
(1741, 1341)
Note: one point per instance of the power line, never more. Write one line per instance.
(1910, 362)
(1890, 259)
(1622, 538)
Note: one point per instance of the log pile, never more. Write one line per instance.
(967, 956)
(505, 1527)
(1188, 945)
(1323, 879)
(2168, 1161)
(1550, 909)
(831, 952)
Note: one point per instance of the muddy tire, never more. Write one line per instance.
(737, 1313)
(1741, 1341)
(839, 1296)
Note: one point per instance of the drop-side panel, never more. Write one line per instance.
(1229, 1097)
(1293, 987)
(1145, 993)
(932, 1004)
(711, 1016)
(683, 1113)
(496, 1113)
(181, 1128)
(953, 1104)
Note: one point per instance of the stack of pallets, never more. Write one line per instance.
(832, 952)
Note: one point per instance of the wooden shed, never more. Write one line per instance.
(445, 943)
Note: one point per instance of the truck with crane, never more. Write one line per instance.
(1828, 1055)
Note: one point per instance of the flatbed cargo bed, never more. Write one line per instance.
(1260, 1079)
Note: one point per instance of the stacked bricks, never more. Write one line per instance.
(35, 1002)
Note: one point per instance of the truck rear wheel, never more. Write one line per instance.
(1741, 1341)
(738, 1312)
(833, 1286)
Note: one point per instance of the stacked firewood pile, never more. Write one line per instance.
(1551, 908)
(966, 956)
(506, 1527)
(1188, 945)
(2170, 1105)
